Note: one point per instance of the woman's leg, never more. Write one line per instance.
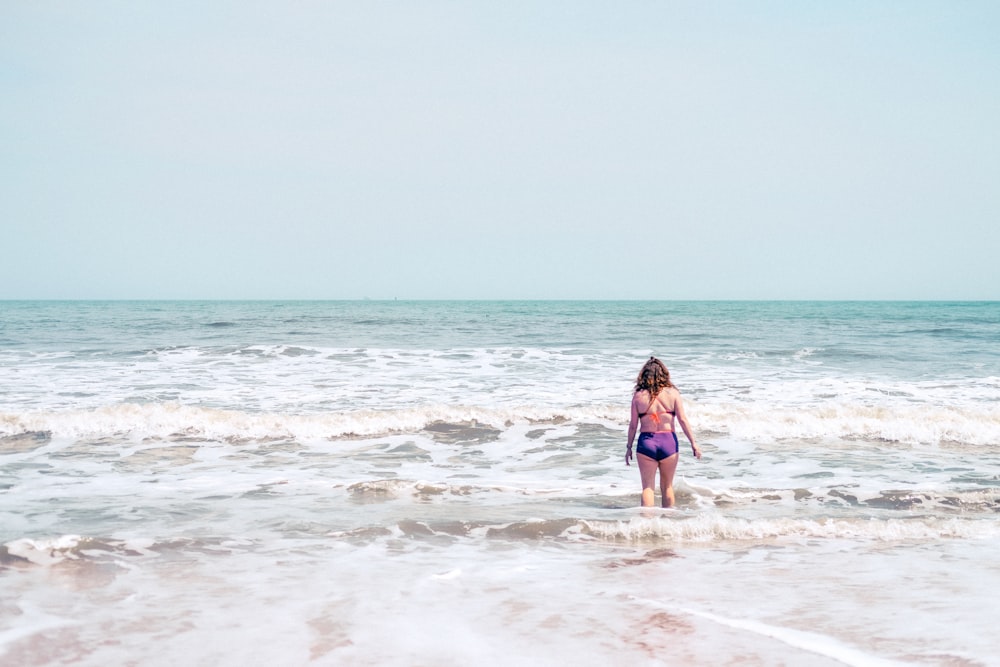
(647, 472)
(668, 467)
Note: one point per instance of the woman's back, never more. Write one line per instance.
(656, 413)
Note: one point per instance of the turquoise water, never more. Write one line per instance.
(197, 469)
(447, 324)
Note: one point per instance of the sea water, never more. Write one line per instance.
(443, 483)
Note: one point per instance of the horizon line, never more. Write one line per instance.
(490, 299)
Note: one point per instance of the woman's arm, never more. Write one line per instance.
(682, 418)
(633, 424)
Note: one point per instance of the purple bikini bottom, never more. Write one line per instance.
(658, 445)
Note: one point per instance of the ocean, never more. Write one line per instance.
(443, 483)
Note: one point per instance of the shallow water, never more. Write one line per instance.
(443, 483)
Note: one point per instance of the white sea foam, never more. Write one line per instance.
(716, 527)
(906, 423)
(45, 551)
(165, 420)
(662, 528)
(755, 422)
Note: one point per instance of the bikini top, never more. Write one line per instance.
(656, 415)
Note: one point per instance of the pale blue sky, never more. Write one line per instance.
(667, 150)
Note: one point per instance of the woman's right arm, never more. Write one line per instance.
(633, 424)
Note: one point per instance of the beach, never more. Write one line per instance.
(418, 483)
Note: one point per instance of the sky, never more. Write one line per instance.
(499, 150)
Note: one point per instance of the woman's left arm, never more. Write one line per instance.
(682, 418)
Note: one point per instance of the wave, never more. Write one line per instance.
(752, 422)
(54, 550)
(716, 527)
(908, 423)
(173, 420)
(656, 527)
(967, 503)
(51, 551)
(824, 498)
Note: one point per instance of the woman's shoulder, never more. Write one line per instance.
(642, 396)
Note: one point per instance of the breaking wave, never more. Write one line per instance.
(662, 529)
(716, 527)
(750, 422)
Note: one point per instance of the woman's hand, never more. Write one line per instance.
(628, 455)
(695, 451)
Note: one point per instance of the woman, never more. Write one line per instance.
(655, 404)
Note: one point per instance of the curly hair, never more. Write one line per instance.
(653, 377)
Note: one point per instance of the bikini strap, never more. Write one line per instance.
(663, 405)
(651, 401)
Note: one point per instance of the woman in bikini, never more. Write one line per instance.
(655, 404)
